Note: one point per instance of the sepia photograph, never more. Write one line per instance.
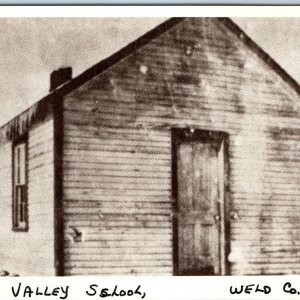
(149, 146)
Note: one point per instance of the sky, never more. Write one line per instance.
(31, 48)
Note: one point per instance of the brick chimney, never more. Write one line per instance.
(59, 77)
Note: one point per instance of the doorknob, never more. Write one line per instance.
(217, 217)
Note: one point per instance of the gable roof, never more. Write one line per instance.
(39, 110)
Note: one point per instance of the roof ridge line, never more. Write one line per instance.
(130, 48)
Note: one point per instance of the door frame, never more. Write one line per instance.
(179, 135)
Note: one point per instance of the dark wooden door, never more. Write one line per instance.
(200, 185)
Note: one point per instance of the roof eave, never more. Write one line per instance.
(134, 46)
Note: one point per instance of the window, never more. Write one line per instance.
(20, 199)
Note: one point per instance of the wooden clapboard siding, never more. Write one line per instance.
(32, 252)
(117, 154)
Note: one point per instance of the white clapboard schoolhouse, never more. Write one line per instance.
(177, 155)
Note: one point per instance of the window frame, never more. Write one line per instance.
(16, 226)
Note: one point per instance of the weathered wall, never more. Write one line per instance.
(117, 155)
(32, 252)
